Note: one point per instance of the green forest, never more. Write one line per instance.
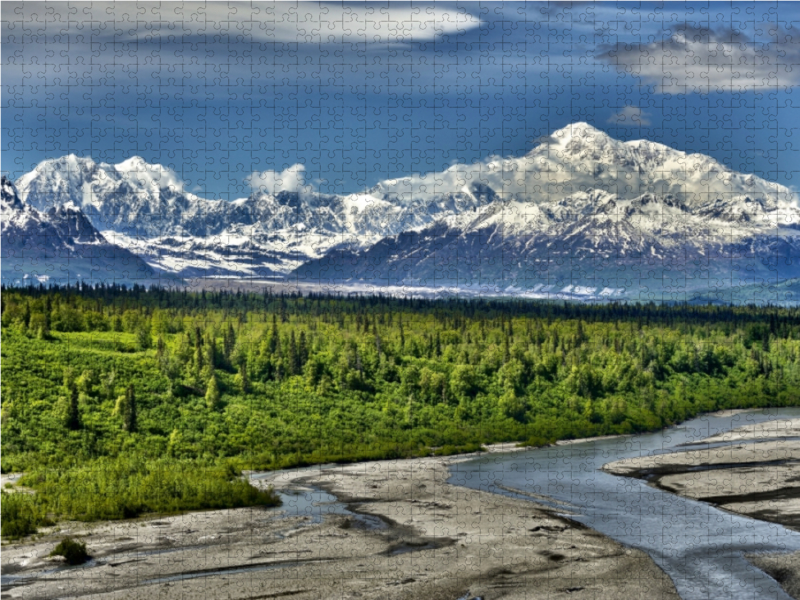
(119, 402)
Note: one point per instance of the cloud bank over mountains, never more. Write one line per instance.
(291, 179)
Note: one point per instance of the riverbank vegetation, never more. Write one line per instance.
(108, 393)
(73, 552)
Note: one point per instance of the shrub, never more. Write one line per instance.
(129, 486)
(20, 515)
(74, 552)
(450, 449)
(537, 441)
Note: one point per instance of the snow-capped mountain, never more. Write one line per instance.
(580, 211)
(61, 246)
(647, 247)
(145, 208)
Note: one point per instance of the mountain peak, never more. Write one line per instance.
(580, 129)
(132, 163)
(8, 194)
(71, 162)
(143, 173)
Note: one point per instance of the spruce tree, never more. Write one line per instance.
(294, 363)
(126, 409)
(242, 379)
(211, 352)
(73, 417)
(212, 393)
(107, 385)
(302, 351)
(143, 339)
(129, 417)
(229, 342)
(273, 337)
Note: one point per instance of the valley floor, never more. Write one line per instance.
(407, 533)
(430, 540)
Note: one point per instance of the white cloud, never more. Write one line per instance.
(313, 23)
(700, 60)
(291, 179)
(630, 116)
(286, 22)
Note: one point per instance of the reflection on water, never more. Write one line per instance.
(699, 546)
(313, 503)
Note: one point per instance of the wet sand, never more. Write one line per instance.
(435, 541)
(756, 472)
(590, 439)
(777, 429)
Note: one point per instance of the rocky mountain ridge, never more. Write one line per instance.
(61, 246)
(580, 209)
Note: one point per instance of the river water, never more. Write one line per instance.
(699, 546)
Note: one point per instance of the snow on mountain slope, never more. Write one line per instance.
(580, 158)
(143, 201)
(129, 197)
(578, 195)
(61, 246)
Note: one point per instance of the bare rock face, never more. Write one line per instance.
(60, 246)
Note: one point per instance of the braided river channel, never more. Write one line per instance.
(701, 547)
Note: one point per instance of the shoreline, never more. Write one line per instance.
(754, 474)
(427, 539)
(407, 533)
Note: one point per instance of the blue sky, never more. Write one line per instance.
(337, 96)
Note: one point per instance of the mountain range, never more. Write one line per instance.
(580, 215)
(61, 245)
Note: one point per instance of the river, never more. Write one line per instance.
(698, 545)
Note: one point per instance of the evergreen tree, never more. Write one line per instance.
(73, 416)
(302, 351)
(143, 339)
(129, 420)
(126, 409)
(294, 363)
(242, 379)
(229, 342)
(198, 358)
(211, 353)
(107, 385)
(273, 336)
(212, 393)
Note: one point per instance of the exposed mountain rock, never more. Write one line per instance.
(579, 211)
(62, 246)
